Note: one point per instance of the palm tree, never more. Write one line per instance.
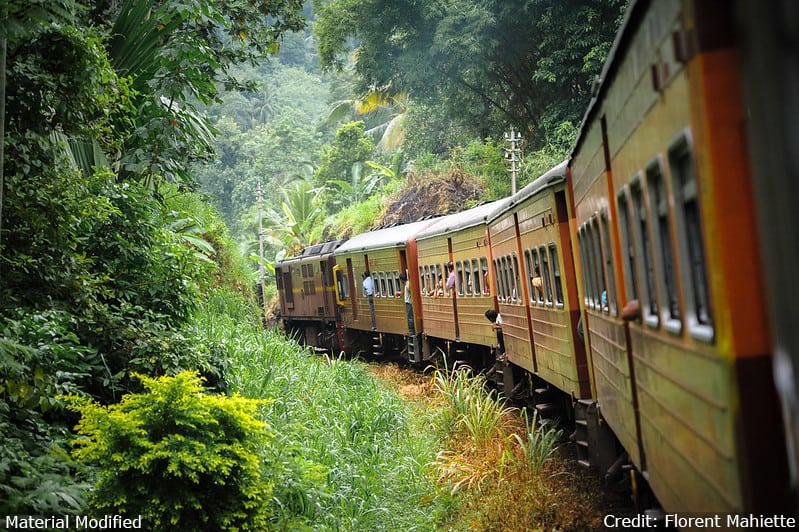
(300, 220)
(383, 110)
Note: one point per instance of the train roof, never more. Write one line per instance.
(315, 251)
(464, 219)
(389, 237)
(553, 176)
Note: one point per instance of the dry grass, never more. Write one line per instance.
(495, 489)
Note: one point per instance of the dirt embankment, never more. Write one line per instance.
(432, 194)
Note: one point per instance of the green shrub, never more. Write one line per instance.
(37, 476)
(181, 458)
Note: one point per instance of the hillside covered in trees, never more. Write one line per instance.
(135, 135)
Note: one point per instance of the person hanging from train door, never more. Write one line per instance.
(408, 303)
(368, 291)
(496, 323)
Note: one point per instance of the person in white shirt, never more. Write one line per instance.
(368, 291)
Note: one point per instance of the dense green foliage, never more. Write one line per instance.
(110, 266)
(177, 456)
(484, 65)
(346, 453)
(101, 263)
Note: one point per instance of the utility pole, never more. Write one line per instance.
(510, 155)
(259, 196)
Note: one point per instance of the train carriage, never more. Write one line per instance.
(536, 284)
(307, 296)
(457, 318)
(665, 223)
(386, 254)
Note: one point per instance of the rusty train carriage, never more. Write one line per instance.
(307, 295)
(662, 195)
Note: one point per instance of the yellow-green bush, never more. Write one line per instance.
(179, 457)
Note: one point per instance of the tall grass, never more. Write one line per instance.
(348, 454)
(540, 444)
(469, 407)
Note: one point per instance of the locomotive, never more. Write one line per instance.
(642, 283)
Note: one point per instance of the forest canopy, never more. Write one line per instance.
(485, 65)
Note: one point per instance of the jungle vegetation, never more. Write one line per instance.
(135, 134)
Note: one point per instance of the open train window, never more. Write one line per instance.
(698, 316)
(375, 284)
(553, 257)
(545, 274)
(643, 246)
(516, 291)
(609, 269)
(476, 281)
(589, 267)
(667, 278)
(497, 282)
(468, 287)
(393, 286)
(584, 266)
(537, 267)
(601, 292)
(627, 246)
(484, 270)
(459, 270)
(528, 268)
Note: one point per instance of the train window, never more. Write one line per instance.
(467, 278)
(593, 278)
(539, 290)
(628, 261)
(528, 268)
(459, 270)
(689, 228)
(497, 287)
(506, 277)
(601, 292)
(658, 200)
(376, 284)
(502, 281)
(610, 301)
(542, 253)
(484, 270)
(553, 257)
(517, 287)
(476, 283)
(649, 305)
(342, 283)
(583, 265)
(392, 287)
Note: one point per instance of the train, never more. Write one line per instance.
(644, 284)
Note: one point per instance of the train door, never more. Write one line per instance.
(353, 299)
(454, 290)
(288, 288)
